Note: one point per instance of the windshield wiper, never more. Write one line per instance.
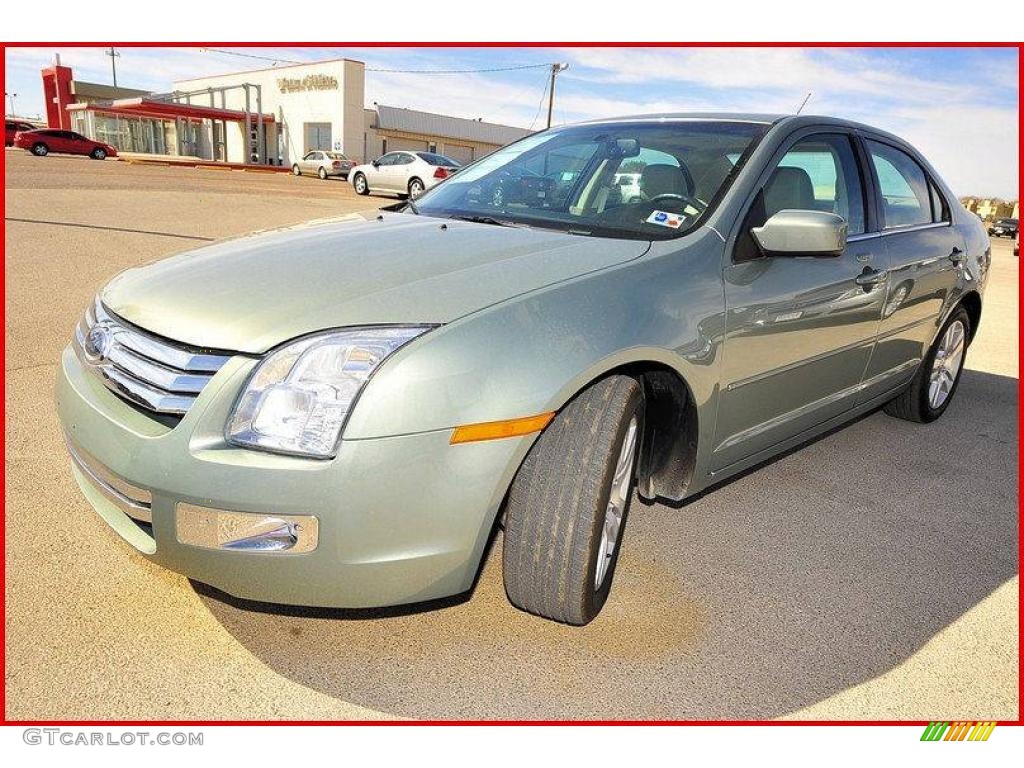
(487, 220)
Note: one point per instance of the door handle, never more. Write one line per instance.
(956, 255)
(871, 276)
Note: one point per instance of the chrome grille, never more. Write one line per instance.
(150, 372)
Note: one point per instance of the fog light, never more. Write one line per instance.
(245, 531)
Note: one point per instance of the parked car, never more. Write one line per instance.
(46, 140)
(11, 127)
(1004, 228)
(403, 173)
(342, 415)
(323, 164)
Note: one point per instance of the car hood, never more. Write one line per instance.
(250, 294)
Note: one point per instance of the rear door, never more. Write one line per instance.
(799, 329)
(923, 249)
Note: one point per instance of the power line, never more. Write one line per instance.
(250, 56)
(276, 60)
(540, 105)
(456, 71)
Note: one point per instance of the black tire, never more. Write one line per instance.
(913, 403)
(40, 150)
(296, 171)
(98, 154)
(556, 507)
(360, 181)
(415, 187)
(322, 174)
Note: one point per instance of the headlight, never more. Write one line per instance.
(298, 398)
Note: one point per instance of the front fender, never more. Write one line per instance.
(531, 354)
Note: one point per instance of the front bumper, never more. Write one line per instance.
(401, 519)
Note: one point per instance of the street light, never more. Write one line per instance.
(11, 97)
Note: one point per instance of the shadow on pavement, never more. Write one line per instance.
(816, 572)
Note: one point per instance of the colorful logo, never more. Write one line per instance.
(959, 731)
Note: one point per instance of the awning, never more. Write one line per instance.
(146, 107)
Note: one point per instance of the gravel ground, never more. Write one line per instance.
(870, 574)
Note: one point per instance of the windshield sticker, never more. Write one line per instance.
(662, 219)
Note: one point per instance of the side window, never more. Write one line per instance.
(819, 173)
(403, 159)
(902, 185)
(940, 208)
(386, 160)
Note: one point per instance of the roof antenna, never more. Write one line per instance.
(804, 102)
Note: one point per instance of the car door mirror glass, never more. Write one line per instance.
(802, 233)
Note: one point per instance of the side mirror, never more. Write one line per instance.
(375, 163)
(802, 233)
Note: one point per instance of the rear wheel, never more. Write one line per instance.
(415, 187)
(933, 386)
(322, 174)
(98, 154)
(359, 182)
(296, 171)
(567, 507)
(40, 149)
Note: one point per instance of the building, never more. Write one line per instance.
(990, 209)
(390, 128)
(269, 116)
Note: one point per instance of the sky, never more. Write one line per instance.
(958, 106)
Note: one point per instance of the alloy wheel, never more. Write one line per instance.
(946, 365)
(618, 498)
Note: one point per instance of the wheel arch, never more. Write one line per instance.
(971, 301)
(668, 458)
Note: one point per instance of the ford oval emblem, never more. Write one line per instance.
(97, 343)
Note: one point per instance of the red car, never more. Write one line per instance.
(11, 127)
(47, 140)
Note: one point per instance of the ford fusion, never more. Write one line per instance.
(343, 414)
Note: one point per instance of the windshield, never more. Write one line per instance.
(640, 180)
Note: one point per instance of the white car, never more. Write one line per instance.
(403, 173)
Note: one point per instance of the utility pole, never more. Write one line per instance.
(114, 55)
(555, 69)
(11, 97)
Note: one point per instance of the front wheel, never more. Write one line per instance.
(40, 150)
(933, 386)
(99, 154)
(359, 182)
(567, 506)
(296, 171)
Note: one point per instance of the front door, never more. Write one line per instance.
(923, 249)
(799, 329)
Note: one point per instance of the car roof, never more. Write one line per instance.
(764, 118)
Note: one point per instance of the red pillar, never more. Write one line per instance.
(57, 94)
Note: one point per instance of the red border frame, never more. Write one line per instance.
(552, 44)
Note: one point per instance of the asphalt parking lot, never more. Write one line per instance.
(872, 574)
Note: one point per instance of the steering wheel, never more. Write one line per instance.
(686, 200)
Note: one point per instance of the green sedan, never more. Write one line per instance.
(345, 414)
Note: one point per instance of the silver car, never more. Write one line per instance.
(403, 173)
(342, 415)
(323, 164)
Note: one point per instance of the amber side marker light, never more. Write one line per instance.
(494, 430)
